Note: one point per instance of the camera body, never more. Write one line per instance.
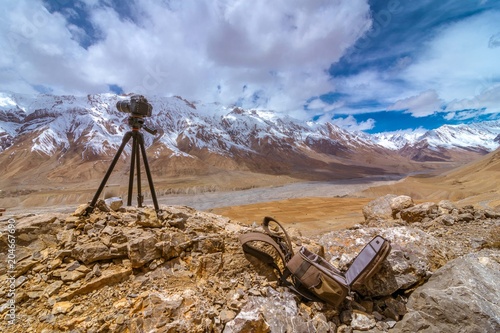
(137, 106)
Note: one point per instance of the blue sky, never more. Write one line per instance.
(364, 65)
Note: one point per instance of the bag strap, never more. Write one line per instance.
(282, 244)
(269, 238)
(283, 241)
(247, 238)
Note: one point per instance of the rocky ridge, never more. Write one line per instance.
(72, 138)
(125, 269)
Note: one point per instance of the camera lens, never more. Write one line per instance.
(123, 106)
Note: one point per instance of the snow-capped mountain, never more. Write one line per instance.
(58, 123)
(424, 145)
(482, 135)
(60, 131)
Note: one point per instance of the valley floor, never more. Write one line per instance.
(312, 207)
(338, 188)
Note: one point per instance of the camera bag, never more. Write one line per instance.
(306, 273)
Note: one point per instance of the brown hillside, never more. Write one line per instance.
(475, 183)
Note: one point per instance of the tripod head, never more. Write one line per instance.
(137, 122)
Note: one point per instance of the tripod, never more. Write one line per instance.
(136, 124)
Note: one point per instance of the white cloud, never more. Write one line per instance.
(457, 68)
(318, 105)
(421, 105)
(487, 101)
(260, 53)
(459, 60)
(265, 54)
(351, 124)
(38, 50)
(369, 85)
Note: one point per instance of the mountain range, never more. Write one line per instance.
(70, 139)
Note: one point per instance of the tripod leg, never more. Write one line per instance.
(140, 196)
(90, 208)
(131, 175)
(148, 172)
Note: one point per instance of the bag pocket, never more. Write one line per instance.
(368, 262)
(318, 276)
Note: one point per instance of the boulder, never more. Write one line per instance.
(492, 214)
(142, 249)
(399, 203)
(102, 206)
(278, 312)
(446, 206)
(53, 288)
(149, 218)
(418, 212)
(172, 244)
(95, 251)
(461, 296)
(114, 203)
(72, 276)
(109, 278)
(445, 219)
(414, 255)
(465, 217)
(362, 321)
(379, 209)
(384, 210)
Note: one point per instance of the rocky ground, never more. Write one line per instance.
(125, 269)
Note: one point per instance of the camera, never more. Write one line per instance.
(137, 106)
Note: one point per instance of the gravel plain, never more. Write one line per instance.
(339, 188)
(209, 200)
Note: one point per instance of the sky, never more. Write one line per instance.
(366, 65)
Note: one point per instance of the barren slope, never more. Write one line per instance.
(312, 215)
(475, 183)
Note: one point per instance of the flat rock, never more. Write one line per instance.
(95, 251)
(462, 294)
(62, 307)
(108, 277)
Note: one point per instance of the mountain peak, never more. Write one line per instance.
(90, 128)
